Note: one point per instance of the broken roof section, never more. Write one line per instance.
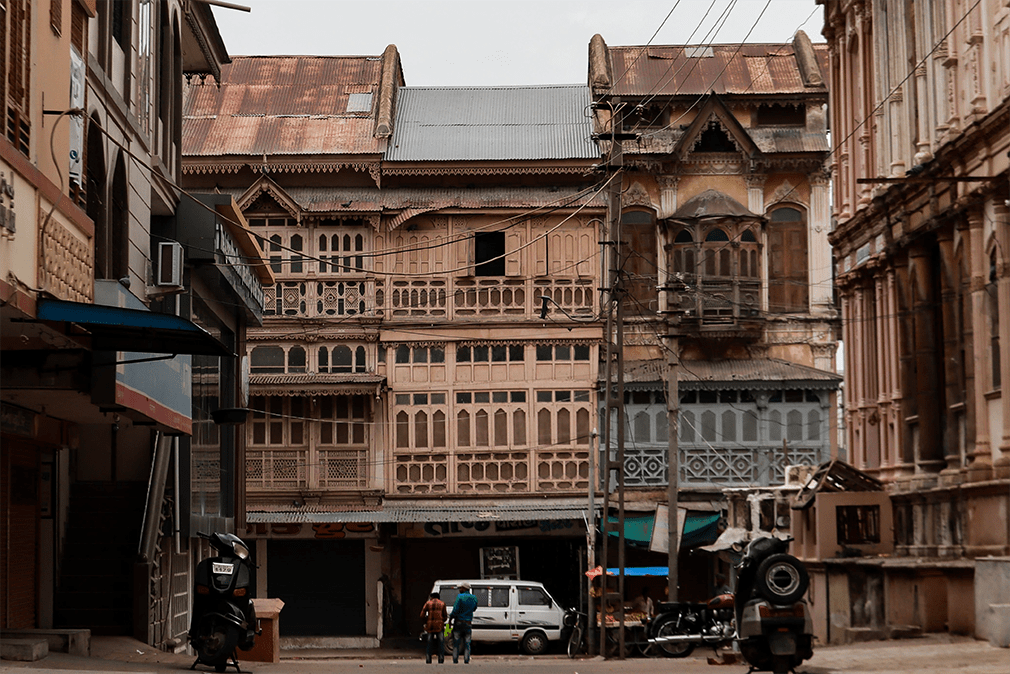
(831, 477)
(290, 105)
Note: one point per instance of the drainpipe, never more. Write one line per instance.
(155, 496)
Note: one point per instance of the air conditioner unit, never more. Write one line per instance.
(169, 264)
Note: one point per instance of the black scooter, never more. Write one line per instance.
(774, 626)
(223, 615)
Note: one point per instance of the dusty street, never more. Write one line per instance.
(929, 655)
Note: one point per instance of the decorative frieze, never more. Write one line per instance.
(66, 267)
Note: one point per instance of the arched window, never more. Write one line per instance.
(787, 261)
(715, 253)
(296, 359)
(992, 300)
(683, 253)
(266, 360)
(748, 255)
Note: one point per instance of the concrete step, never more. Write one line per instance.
(70, 641)
(24, 650)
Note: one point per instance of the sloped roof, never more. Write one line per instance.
(754, 373)
(712, 203)
(687, 70)
(284, 105)
(371, 200)
(428, 511)
(504, 123)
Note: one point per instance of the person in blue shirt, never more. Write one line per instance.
(462, 619)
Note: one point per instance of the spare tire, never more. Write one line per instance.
(782, 579)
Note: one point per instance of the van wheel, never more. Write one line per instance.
(534, 643)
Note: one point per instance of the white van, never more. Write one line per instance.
(509, 610)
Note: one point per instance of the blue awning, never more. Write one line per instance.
(117, 329)
(629, 571)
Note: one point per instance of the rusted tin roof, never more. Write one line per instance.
(759, 69)
(493, 123)
(284, 105)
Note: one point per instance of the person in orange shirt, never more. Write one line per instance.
(435, 615)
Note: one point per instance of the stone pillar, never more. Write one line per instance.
(927, 391)
(1001, 463)
(980, 468)
(895, 429)
(952, 375)
(819, 255)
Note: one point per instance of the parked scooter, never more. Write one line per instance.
(774, 626)
(223, 615)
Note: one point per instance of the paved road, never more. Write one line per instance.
(938, 654)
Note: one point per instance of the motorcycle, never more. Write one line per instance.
(774, 625)
(680, 626)
(223, 614)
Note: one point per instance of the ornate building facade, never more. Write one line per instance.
(724, 221)
(411, 408)
(119, 334)
(920, 111)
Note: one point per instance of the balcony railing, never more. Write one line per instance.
(283, 469)
(492, 472)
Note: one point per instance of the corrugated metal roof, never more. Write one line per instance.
(314, 384)
(768, 69)
(492, 123)
(755, 373)
(431, 511)
(281, 105)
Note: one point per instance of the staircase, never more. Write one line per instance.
(96, 577)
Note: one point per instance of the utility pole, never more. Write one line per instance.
(613, 390)
(673, 451)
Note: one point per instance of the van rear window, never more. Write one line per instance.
(448, 594)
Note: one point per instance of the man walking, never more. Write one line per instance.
(462, 619)
(434, 615)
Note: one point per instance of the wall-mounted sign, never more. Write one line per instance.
(499, 562)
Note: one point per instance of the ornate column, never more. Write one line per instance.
(980, 468)
(864, 73)
(952, 376)
(1001, 463)
(668, 195)
(756, 193)
(880, 333)
(894, 428)
(819, 255)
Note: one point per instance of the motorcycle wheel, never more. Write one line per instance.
(217, 642)
(676, 649)
(782, 579)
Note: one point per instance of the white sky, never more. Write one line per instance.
(498, 42)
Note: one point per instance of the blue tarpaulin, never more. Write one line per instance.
(700, 528)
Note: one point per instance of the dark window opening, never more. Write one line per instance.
(781, 115)
(857, 525)
(714, 139)
(489, 253)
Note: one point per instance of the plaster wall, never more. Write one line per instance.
(839, 618)
(992, 586)
(827, 545)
